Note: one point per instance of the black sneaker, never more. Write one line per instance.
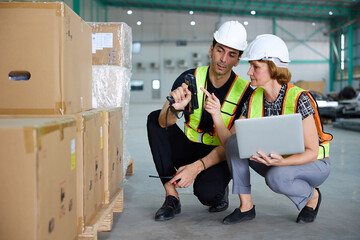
(224, 203)
(238, 216)
(307, 214)
(170, 207)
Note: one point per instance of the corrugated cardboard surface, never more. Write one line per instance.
(90, 142)
(317, 86)
(37, 179)
(113, 151)
(52, 44)
(116, 52)
(90, 165)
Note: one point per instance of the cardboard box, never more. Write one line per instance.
(45, 59)
(90, 165)
(90, 183)
(113, 151)
(317, 86)
(111, 44)
(38, 179)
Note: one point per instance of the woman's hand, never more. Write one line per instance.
(212, 104)
(269, 160)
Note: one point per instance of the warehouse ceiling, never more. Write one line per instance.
(320, 10)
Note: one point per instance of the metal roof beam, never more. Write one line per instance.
(286, 8)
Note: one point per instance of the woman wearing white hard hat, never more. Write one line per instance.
(296, 176)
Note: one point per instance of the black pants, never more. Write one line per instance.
(171, 149)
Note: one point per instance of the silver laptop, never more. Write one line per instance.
(281, 134)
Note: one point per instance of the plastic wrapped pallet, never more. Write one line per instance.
(111, 44)
(111, 88)
(111, 60)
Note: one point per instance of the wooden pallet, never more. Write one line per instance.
(103, 221)
(130, 167)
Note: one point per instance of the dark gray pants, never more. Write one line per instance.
(296, 182)
(171, 149)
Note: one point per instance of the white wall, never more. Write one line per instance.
(160, 30)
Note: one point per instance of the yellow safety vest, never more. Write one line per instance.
(228, 108)
(256, 109)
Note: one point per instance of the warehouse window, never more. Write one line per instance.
(155, 92)
(136, 47)
(137, 85)
(342, 44)
(156, 84)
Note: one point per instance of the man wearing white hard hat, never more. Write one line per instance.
(296, 176)
(196, 155)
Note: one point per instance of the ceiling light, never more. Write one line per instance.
(253, 12)
(129, 12)
(191, 12)
(246, 23)
(331, 13)
(138, 23)
(192, 23)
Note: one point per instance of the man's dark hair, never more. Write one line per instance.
(215, 42)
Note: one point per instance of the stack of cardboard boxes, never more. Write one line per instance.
(61, 159)
(111, 70)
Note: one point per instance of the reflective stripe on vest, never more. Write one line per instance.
(228, 108)
(256, 109)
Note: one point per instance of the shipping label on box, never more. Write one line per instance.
(37, 179)
(111, 44)
(45, 60)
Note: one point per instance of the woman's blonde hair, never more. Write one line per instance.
(282, 75)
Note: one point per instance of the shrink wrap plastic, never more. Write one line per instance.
(111, 44)
(111, 88)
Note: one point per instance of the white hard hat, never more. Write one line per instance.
(268, 47)
(232, 34)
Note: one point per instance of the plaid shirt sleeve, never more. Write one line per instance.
(304, 106)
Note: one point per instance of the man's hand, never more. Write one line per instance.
(212, 104)
(182, 97)
(186, 174)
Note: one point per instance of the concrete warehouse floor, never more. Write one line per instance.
(338, 218)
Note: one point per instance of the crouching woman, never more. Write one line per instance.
(297, 176)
